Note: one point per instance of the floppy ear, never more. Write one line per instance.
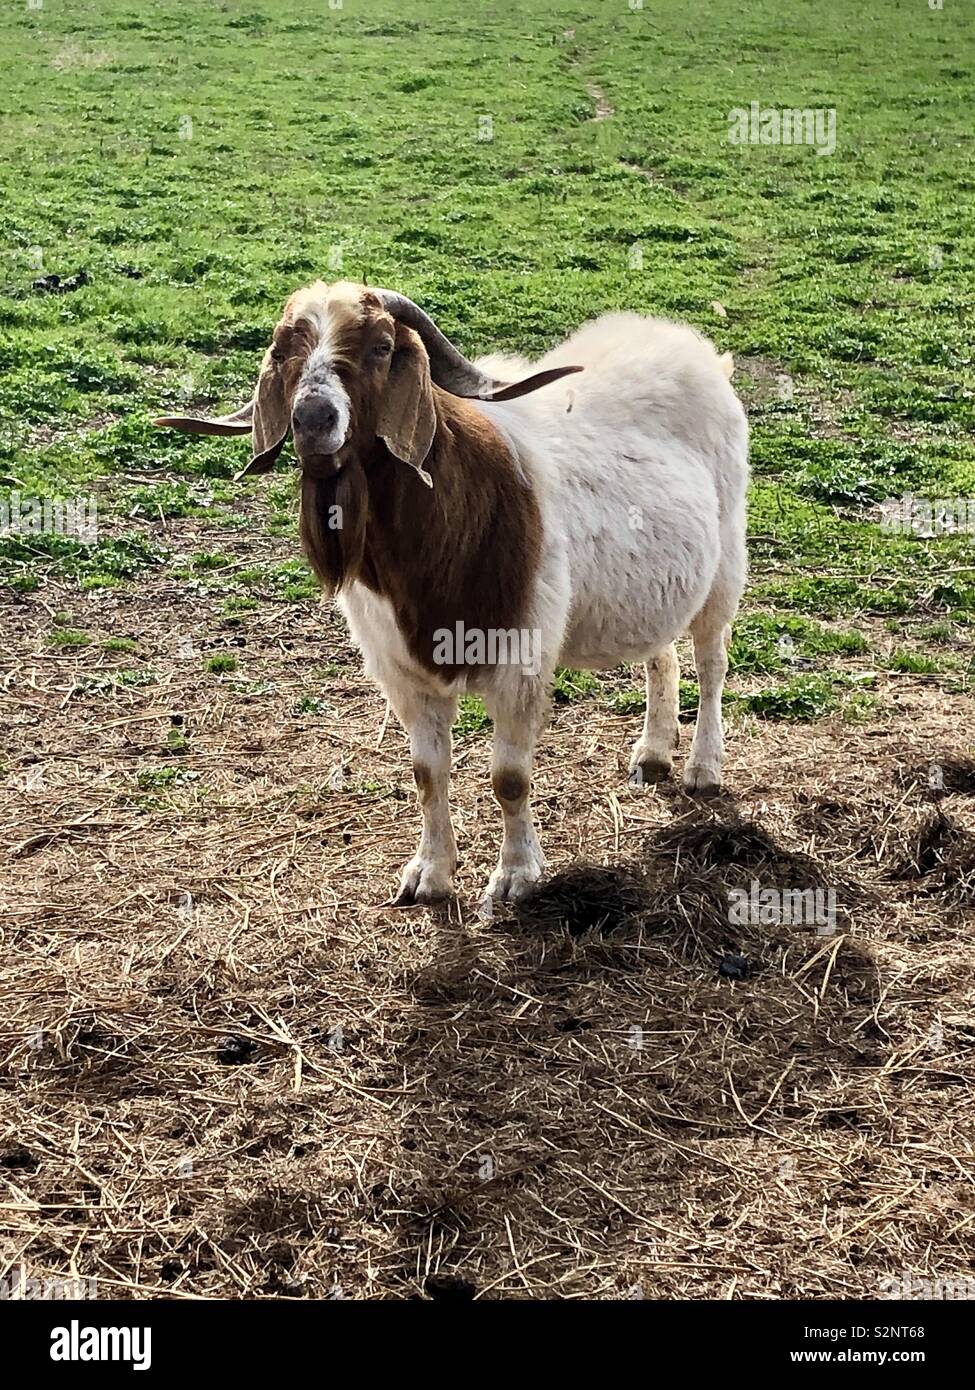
(407, 419)
(266, 417)
(272, 418)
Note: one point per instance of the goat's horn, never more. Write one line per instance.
(449, 367)
(530, 383)
(238, 423)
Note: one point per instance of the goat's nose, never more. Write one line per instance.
(314, 416)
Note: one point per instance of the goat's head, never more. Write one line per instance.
(349, 365)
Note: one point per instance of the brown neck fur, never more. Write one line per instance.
(465, 550)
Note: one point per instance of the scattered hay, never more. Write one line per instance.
(228, 1072)
(700, 842)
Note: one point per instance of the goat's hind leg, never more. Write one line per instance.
(428, 719)
(653, 754)
(712, 638)
(711, 630)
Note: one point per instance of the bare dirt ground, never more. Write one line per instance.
(230, 1071)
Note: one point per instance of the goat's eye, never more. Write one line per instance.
(277, 355)
(383, 348)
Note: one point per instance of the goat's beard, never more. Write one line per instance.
(333, 524)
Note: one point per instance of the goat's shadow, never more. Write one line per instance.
(610, 1008)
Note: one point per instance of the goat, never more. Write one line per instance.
(598, 517)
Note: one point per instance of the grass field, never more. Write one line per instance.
(231, 1072)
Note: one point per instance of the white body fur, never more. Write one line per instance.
(640, 466)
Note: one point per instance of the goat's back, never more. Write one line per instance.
(653, 373)
(640, 462)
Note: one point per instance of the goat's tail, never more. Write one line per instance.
(727, 364)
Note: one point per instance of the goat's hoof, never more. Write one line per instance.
(514, 883)
(423, 882)
(648, 771)
(702, 780)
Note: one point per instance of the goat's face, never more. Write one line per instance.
(341, 372)
(348, 366)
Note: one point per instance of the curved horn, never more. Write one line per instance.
(449, 367)
(237, 423)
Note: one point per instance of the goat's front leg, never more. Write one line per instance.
(517, 720)
(428, 876)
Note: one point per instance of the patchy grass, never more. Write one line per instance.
(309, 704)
(68, 637)
(574, 685)
(26, 560)
(221, 664)
(800, 699)
(472, 717)
(764, 643)
(151, 779)
(108, 681)
(845, 281)
(237, 605)
(913, 663)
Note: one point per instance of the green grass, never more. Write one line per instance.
(176, 741)
(150, 779)
(237, 605)
(798, 700)
(167, 500)
(106, 682)
(472, 717)
(911, 662)
(941, 633)
(764, 642)
(210, 560)
(628, 702)
(26, 560)
(200, 163)
(68, 637)
(221, 664)
(309, 704)
(574, 685)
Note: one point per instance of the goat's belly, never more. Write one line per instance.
(643, 545)
(627, 609)
(608, 633)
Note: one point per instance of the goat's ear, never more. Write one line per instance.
(272, 418)
(407, 418)
(266, 417)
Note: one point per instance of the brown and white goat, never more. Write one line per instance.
(478, 535)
